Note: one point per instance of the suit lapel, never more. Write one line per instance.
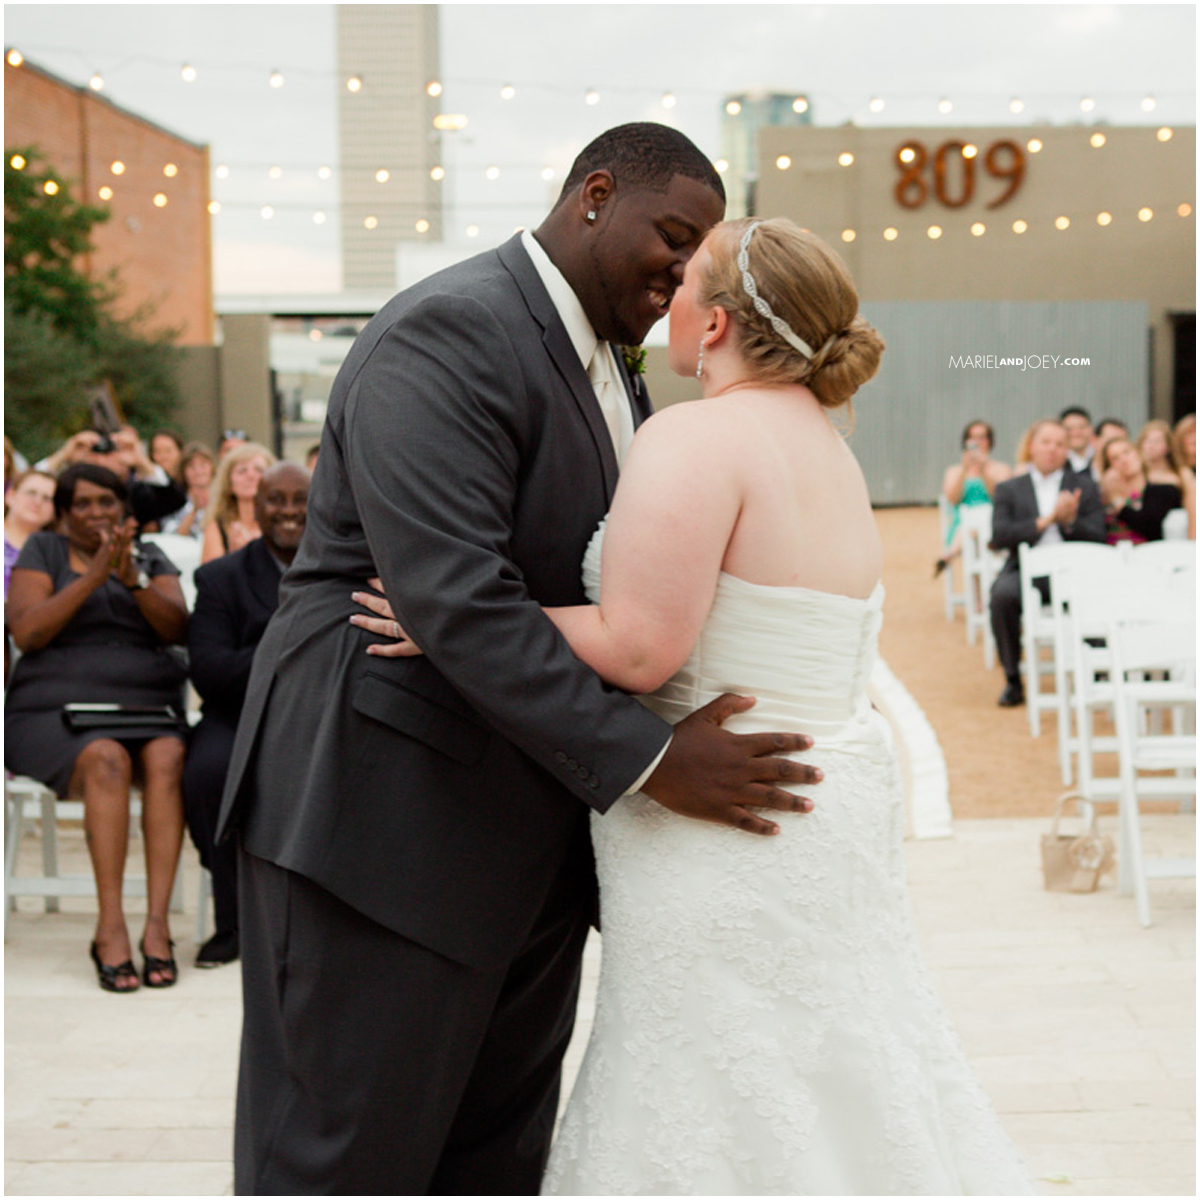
(562, 353)
(263, 575)
(635, 389)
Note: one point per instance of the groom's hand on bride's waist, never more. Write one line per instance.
(713, 775)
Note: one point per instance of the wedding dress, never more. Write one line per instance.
(764, 1022)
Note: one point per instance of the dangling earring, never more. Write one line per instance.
(591, 216)
(700, 362)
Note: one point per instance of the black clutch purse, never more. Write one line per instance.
(80, 717)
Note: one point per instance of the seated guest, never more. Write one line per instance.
(1185, 438)
(94, 615)
(230, 523)
(235, 597)
(310, 459)
(166, 451)
(231, 439)
(1164, 464)
(1134, 508)
(1109, 428)
(969, 482)
(1021, 456)
(29, 507)
(1081, 442)
(197, 468)
(1051, 503)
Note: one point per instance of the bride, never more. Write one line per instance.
(764, 1023)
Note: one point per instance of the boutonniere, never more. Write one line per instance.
(635, 359)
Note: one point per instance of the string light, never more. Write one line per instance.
(800, 105)
(733, 108)
(382, 176)
(1184, 210)
(978, 229)
(1062, 223)
(1016, 105)
(934, 232)
(96, 83)
(845, 159)
(17, 162)
(433, 88)
(876, 105)
(354, 83)
(492, 173)
(848, 235)
(160, 200)
(891, 233)
(1149, 104)
(50, 187)
(318, 218)
(14, 57)
(507, 92)
(1087, 104)
(668, 100)
(118, 168)
(371, 223)
(944, 105)
(450, 122)
(1097, 140)
(267, 212)
(907, 154)
(1165, 134)
(222, 171)
(592, 97)
(324, 172)
(276, 80)
(1145, 214)
(721, 166)
(170, 170)
(970, 150)
(188, 73)
(437, 173)
(472, 231)
(1034, 145)
(275, 173)
(214, 207)
(547, 173)
(1104, 218)
(422, 226)
(783, 162)
(1020, 226)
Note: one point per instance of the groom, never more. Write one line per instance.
(416, 875)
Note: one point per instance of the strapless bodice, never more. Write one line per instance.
(805, 655)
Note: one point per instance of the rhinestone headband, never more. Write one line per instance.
(780, 326)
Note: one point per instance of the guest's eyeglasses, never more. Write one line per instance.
(233, 434)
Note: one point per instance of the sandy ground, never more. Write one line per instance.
(996, 769)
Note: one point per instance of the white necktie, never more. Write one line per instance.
(611, 397)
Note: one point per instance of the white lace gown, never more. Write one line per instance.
(764, 1022)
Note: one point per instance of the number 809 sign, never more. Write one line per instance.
(954, 173)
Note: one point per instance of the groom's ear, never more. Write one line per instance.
(597, 190)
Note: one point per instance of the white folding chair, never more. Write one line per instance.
(27, 801)
(953, 599)
(1165, 555)
(1037, 620)
(980, 568)
(1144, 649)
(1175, 525)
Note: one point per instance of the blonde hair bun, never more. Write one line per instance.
(806, 285)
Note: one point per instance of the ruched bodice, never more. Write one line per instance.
(764, 1024)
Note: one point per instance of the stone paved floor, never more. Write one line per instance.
(1080, 1024)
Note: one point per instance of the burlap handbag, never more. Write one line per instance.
(1074, 862)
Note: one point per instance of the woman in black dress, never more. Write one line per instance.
(93, 614)
(1134, 507)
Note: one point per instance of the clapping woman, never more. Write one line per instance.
(230, 522)
(94, 615)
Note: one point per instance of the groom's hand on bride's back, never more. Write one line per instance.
(713, 775)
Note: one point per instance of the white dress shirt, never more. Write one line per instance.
(1046, 489)
(613, 400)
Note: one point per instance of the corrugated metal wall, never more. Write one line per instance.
(909, 419)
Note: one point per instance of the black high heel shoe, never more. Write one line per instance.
(160, 965)
(940, 566)
(108, 976)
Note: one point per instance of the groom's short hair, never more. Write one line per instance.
(643, 154)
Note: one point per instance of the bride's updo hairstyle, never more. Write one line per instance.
(807, 290)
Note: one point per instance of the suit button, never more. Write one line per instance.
(583, 772)
(572, 765)
(594, 782)
(560, 757)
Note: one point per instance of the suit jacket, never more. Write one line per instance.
(236, 596)
(466, 461)
(1015, 514)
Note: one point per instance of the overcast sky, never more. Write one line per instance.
(839, 55)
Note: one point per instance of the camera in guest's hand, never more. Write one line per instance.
(103, 443)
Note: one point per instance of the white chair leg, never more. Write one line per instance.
(50, 844)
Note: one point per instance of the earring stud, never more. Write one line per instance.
(591, 216)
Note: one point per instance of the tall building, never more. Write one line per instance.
(386, 125)
(743, 116)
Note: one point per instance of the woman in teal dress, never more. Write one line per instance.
(969, 482)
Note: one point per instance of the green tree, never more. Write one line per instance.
(62, 334)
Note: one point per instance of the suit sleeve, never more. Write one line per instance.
(219, 664)
(1010, 528)
(1089, 521)
(436, 425)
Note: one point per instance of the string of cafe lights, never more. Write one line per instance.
(276, 78)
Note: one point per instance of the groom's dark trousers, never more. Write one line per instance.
(417, 876)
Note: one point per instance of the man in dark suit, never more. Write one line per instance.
(235, 597)
(1050, 503)
(416, 880)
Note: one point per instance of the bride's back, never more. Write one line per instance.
(806, 518)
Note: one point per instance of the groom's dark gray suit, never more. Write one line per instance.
(439, 803)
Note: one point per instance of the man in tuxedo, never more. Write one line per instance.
(236, 595)
(416, 880)
(1081, 439)
(1051, 503)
